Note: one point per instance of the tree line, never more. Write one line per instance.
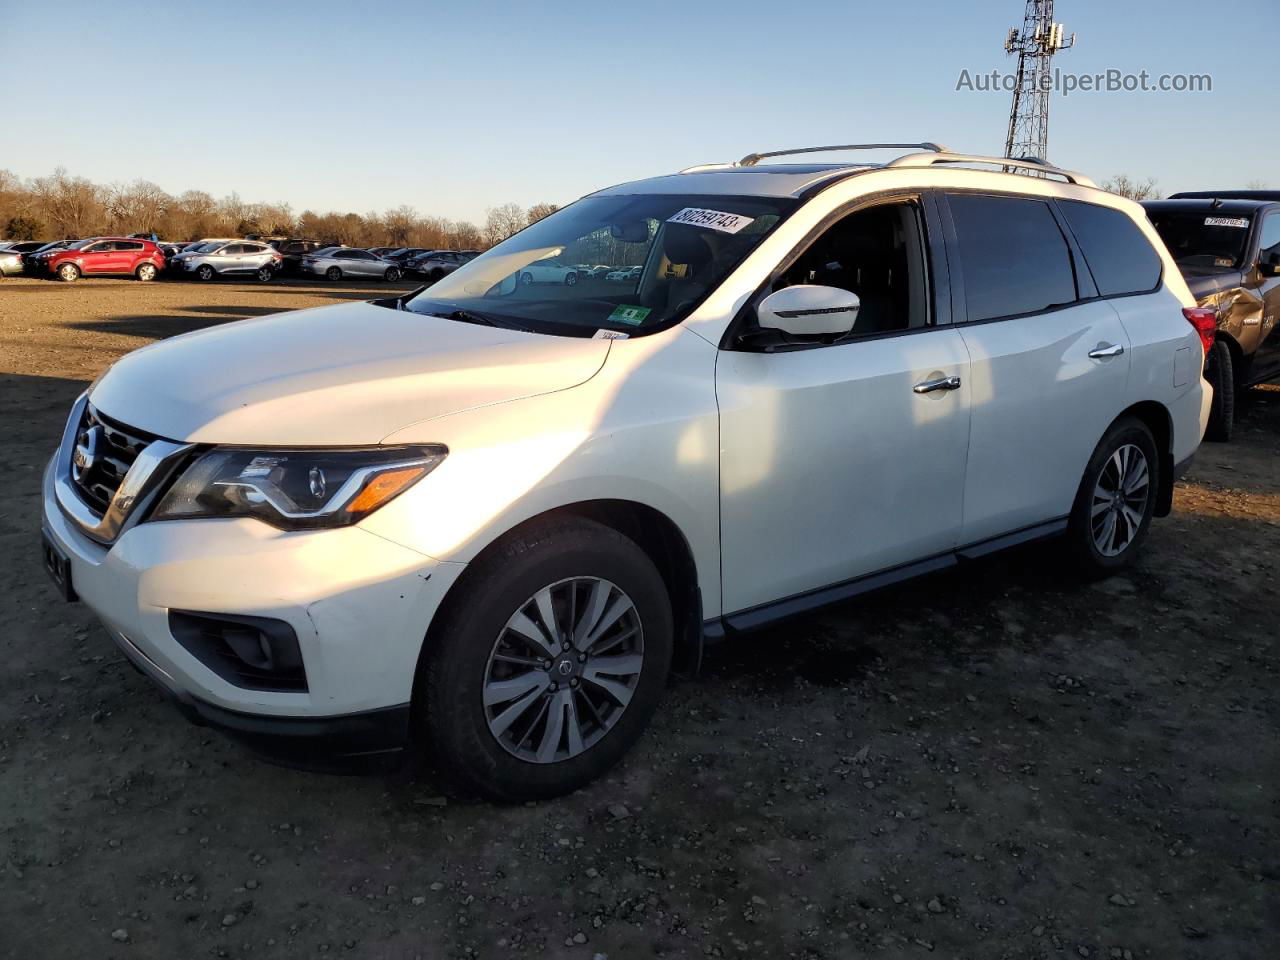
(61, 206)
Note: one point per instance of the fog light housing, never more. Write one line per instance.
(254, 653)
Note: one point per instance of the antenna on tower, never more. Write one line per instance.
(1035, 44)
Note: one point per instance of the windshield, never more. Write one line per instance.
(629, 263)
(1207, 240)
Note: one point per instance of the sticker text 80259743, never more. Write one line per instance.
(710, 219)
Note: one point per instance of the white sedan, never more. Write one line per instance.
(548, 271)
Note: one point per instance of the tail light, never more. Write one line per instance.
(1205, 320)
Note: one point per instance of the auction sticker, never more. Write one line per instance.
(629, 315)
(711, 219)
(1226, 222)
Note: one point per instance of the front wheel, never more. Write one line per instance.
(550, 664)
(1220, 372)
(146, 272)
(206, 272)
(333, 273)
(1116, 499)
(526, 279)
(69, 272)
(392, 275)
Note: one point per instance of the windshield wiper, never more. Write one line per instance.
(484, 320)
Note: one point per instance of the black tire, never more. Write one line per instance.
(392, 275)
(146, 272)
(526, 279)
(1092, 561)
(570, 279)
(68, 273)
(1220, 372)
(435, 274)
(449, 694)
(265, 274)
(333, 273)
(206, 272)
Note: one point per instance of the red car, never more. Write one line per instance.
(102, 256)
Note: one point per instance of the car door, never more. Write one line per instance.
(1266, 362)
(131, 254)
(101, 258)
(1049, 360)
(845, 459)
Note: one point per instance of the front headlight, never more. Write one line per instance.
(296, 489)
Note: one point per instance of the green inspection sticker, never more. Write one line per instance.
(629, 315)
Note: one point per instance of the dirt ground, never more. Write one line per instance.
(998, 761)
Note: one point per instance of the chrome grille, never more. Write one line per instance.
(110, 450)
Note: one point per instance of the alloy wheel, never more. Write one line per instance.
(563, 669)
(1120, 500)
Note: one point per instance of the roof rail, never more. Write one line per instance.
(1026, 163)
(751, 159)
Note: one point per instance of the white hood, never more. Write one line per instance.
(350, 374)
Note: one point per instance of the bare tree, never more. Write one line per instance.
(400, 224)
(70, 205)
(1126, 186)
(501, 222)
(540, 210)
(1257, 185)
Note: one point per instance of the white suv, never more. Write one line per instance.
(490, 515)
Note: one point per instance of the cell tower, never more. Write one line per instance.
(1035, 44)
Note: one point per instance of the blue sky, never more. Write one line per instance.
(458, 106)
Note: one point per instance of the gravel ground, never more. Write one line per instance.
(999, 761)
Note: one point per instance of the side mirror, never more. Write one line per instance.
(807, 310)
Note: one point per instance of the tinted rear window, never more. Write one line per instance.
(1119, 255)
(1014, 258)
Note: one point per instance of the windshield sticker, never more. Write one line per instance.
(711, 219)
(632, 316)
(1226, 222)
(610, 335)
(1223, 262)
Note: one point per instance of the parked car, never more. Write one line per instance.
(22, 246)
(624, 274)
(403, 255)
(338, 263)
(99, 256)
(1228, 249)
(383, 251)
(436, 264)
(227, 259)
(489, 519)
(12, 254)
(294, 250)
(549, 271)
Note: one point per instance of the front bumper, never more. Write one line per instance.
(358, 604)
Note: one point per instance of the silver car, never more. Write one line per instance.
(10, 263)
(335, 263)
(214, 258)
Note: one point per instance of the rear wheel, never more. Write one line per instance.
(264, 273)
(206, 272)
(550, 665)
(392, 275)
(69, 272)
(526, 278)
(1220, 372)
(1116, 499)
(145, 272)
(570, 279)
(333, 273)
